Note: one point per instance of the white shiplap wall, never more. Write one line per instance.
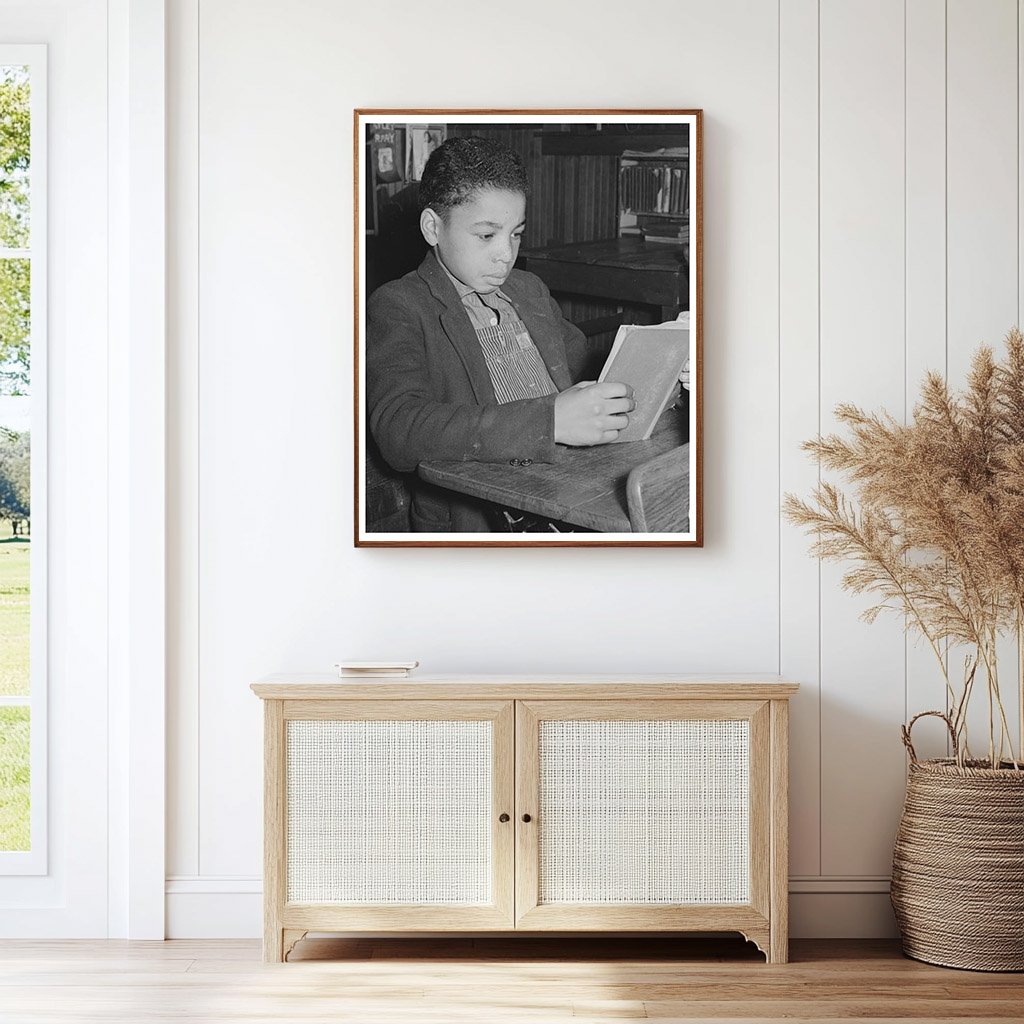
(861, 359)
(861, 224)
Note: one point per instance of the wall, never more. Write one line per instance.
(861, 224)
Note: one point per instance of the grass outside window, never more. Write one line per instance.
(14, 682)
(14, 778)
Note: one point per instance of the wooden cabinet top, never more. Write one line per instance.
(324, 686)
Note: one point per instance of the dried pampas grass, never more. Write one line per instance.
(937, 527)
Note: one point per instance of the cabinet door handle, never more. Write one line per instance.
(503, 818)
(527, 818)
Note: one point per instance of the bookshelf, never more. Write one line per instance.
(395, 157)
(653, 199)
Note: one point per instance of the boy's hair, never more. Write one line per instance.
(461, 167)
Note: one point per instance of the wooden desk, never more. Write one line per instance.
(588, 487)
(620, 269)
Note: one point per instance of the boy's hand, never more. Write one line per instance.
(589, 413)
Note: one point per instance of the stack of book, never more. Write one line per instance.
(673, 232)
(376, 669)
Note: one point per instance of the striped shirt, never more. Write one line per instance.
(517, 369)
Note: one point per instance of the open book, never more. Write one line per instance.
(649, 359)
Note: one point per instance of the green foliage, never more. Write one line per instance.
(15, 326)
(15, 475)
(15, 152)
(15, 273)
(14, 778)
(15, 123)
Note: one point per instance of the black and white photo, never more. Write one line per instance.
(528, 328)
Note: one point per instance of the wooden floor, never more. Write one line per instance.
(486, 981)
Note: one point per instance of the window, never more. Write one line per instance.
(22, 460)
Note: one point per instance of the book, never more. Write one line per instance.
(677, 231)
(650, 360)
(676, 201)
(375, 669)
(663, 152)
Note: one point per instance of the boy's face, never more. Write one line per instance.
(479, 240)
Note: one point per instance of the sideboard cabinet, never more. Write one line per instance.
(492, 804)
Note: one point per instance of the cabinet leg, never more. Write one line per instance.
(761, 938)
(279, 942)
(289, 937)
(779, 951)
(772, 941)
(273, 944)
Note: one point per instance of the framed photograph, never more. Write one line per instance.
(528, 328)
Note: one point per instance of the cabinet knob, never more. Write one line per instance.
(503, 818)
(527, 818)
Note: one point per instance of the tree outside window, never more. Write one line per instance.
(15, 455)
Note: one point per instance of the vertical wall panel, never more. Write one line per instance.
(270, 233)
(926, 285)
(982, 162)
(862, 361)
(982, 168)
(1019, 725)
(798, 402)
(183, 438)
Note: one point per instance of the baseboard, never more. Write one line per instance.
(217, 907)
(214, 908)
(841, 915)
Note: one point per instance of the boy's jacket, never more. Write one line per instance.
(429, 392)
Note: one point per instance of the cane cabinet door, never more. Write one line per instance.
(396, 815)
(643, 815)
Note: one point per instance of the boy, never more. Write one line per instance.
(469, 359)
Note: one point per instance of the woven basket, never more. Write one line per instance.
(958, 865)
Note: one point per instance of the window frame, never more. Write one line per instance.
(34, 860)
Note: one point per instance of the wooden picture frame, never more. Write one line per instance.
(447, 453)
